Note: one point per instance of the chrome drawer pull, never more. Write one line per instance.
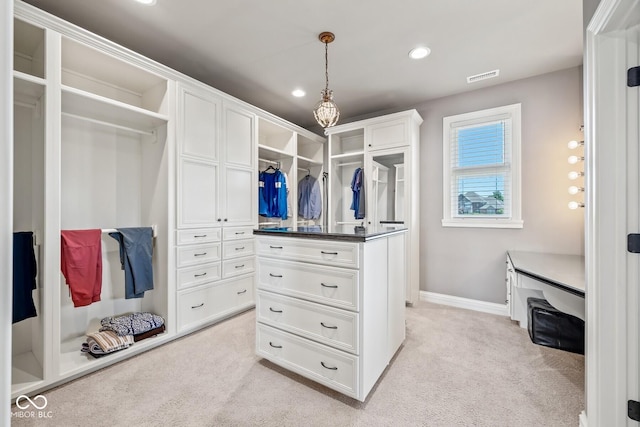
(200, 275)
(199, 236)
(202, 254)
(241, 292)
(328, 286)
(239, 266)
(275, 247)
(197, 306)
(239, 232)
(329, 253)
(328, 327)
(275, 311)
(334, 368)
(239, 249)
(275, 275)
(274, 346)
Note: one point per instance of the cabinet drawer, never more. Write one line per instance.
(200, 235)
(338, 287)
(333, 368)
(238, 248)
(341, 254)
(195, 306)
(331, 326)
(193, 276)
(236, 267)
(200, 254)
(236, 233)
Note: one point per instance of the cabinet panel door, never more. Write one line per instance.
(239, 128)
(197, 195)
(198, 125)
(239, 197)
(390, 134)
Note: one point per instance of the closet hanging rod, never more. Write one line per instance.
(349, 163)
(349, 222)
(305, 169)
(273, 162)
(113, 230)
(113, 125)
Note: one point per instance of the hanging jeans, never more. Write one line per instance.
(24, 276)
(136, 247)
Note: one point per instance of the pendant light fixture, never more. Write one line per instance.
(326, 111)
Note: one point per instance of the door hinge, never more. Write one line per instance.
(633, 76)
(633, 410)
(633, 243)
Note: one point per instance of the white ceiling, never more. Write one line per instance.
(260, 50)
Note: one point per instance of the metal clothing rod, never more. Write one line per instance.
(113, 230)
(113, 125)
(349, 163)
(270, 161)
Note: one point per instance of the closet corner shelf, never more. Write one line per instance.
(79, 103)
(272, 153)
(24, 77)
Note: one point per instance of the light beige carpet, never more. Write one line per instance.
(456, 368)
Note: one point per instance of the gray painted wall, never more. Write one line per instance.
(470, 262)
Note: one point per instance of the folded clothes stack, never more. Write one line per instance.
(120, 332)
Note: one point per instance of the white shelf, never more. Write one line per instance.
(270, 153)
(26, 371)
(27, 89)
(305, 162)
(84, 104)
(348, 155)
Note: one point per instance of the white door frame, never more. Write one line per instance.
(612, 211)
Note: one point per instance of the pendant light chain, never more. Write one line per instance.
(326, 67)
(326, 111)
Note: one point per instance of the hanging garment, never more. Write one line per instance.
(81, 264)
(136, 247)
(357, 186)
(24, 276)
(272, 194)
(309, 198)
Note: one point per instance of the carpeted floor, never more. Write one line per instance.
(456, 368)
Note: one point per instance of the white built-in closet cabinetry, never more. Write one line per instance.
(387, 148)
(105, 138)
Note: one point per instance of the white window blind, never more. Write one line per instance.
(479, 168)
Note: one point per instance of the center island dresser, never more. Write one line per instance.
(330, 302)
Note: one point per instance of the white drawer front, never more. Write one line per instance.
(200, 254)
(236, 267)
(333, 368)
(332, 326)
(338, 287)
(200, 235)
(236, 233)
(193, 276)
(238, 248)
(196, 306)
(340, 254)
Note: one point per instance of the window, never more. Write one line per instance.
(482, 169)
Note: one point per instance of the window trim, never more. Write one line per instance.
(513, 112)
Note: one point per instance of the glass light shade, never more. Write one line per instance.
(575, 175)
(574, 159)
(326, 111)
(575, 190)
(574, 144)
(575, 205)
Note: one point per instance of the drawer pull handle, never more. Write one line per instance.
(328, 286)
(239, 266)
(275, 275)
(274, 346)
(239, 232)
(274, 311)
(197, 306)
(275, 247)
(329, 253)
(328, 327)
(200, 275)
(241, 292)
(333, 368)
(202, 254)
(239, 249)
(199, 236)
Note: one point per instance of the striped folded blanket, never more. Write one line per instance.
(106, 342)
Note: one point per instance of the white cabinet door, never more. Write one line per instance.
(197, 194)
(239, 137)
(238, 199)
(198, 124)
(388, 134)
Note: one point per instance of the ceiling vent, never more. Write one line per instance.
(483, 76)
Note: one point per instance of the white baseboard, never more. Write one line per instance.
(583, 419)
(469, 304)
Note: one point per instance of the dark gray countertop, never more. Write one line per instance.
(562, 271)
(347, 233)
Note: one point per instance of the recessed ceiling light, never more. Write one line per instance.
(298, 93)
(419, 52)
(147, 2)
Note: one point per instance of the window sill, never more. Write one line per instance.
(483, 223)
